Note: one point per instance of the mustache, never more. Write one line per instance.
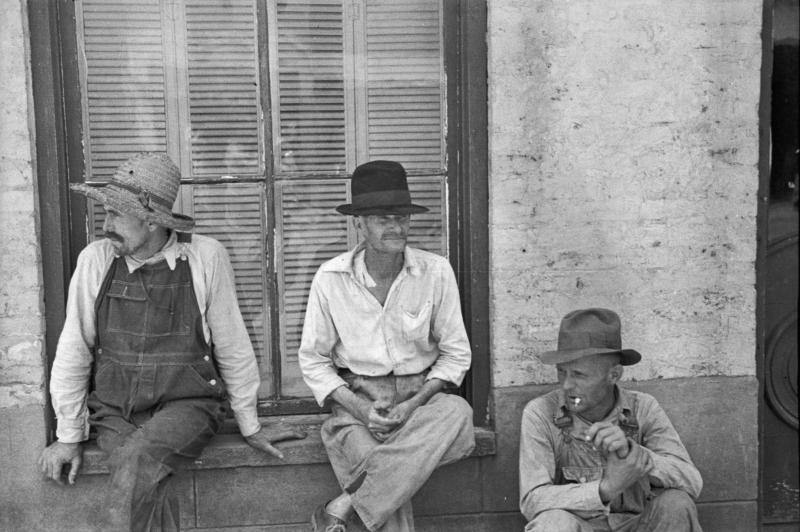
(112, 236)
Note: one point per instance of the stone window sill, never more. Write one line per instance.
(229, 450)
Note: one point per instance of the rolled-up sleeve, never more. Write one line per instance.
(317, 343)
(233, 351)
(455, 355)
(537, 463)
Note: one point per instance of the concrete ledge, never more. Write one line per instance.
(230, 450)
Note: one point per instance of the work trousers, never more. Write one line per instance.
(143, 455)
(383, 476)
(671, 510)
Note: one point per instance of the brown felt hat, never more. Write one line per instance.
(144, 186)
(380, 187)
(592, 331)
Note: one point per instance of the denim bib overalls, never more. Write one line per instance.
(158, 398)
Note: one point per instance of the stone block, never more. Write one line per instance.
(262, 495)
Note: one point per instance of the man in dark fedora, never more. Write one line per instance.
(383, 337)
(152, 320)
(594, 456)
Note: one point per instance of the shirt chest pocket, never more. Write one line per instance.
(416, 323)
(581, 475)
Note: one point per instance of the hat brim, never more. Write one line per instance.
(628, 357)
(124, 202)
(411, 208)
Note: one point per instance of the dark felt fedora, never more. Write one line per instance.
(592, 331)
(380, 187)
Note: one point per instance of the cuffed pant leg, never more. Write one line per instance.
(558, 521)
(670, 511)
(437, 433)
(142, 459)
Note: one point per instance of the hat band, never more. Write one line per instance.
(383, 198)
(144, 196)
(588, 340)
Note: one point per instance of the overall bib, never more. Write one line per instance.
(157, 398)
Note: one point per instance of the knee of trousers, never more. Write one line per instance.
(672, 502)
(454, 408)
(554, 520)
(137, 454)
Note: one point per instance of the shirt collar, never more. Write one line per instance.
(169, 252)
(353, 261)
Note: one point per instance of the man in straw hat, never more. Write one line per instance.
(594, 456)
(152, 320)
(383, 338)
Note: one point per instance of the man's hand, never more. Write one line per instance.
(54, 456)
(609, 438)
(266, 436)
(379, 420)
(623, 472)
(402, 411)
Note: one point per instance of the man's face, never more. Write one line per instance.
(128, 234)
(588, 384)
(384, 233)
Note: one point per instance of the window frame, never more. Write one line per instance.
(59, 162)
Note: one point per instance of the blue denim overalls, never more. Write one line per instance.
(157, 397)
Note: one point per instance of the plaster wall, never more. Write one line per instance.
(21, 316)
(623, 149)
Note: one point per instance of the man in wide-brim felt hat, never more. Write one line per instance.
(146, 304)
(383, 337)
(594, 456)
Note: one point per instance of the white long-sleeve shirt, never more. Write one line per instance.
(214, 286)
(418, 328)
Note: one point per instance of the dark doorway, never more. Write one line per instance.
(780, 503)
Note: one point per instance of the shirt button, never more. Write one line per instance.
(206, 358)
(213, 382)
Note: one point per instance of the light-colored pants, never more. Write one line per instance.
(670, 511)
(387, 474)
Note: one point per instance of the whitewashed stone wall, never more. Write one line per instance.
(623, 146)
(21, 317)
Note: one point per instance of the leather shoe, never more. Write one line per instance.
(322, 521)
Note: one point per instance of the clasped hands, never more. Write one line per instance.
(626, 461)
(381, 418)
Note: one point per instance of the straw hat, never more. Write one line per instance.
(592, 331)
(380, 187)
(144, 186)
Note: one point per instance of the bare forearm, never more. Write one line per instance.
(428, 390)
(354, 404)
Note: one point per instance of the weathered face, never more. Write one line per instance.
(384, 233)
(588, 384)
(128, 234)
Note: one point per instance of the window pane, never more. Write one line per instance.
(222, 72)
(124, 82)
(307, 39)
